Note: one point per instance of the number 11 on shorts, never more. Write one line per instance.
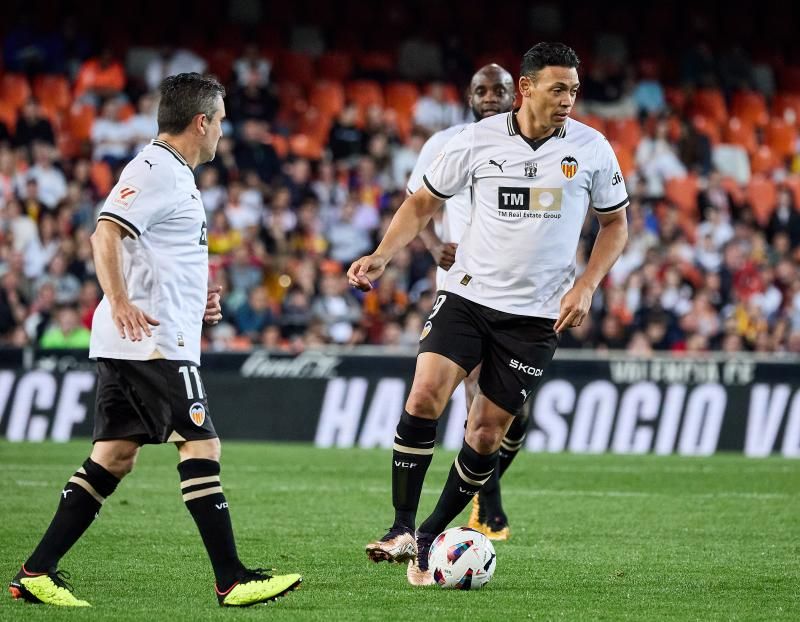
(185, 370)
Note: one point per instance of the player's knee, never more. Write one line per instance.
(209, 449)
(424, 401)
(119, 462)
(484, 439)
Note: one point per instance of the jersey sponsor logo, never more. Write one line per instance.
(203, 235)
(531, 168)
(466, 279)
(525, 369)
(616, 179)
(125, 196)
(569, 166)
(197, 413)
(529, 199)
(498, 164)
(425, 330)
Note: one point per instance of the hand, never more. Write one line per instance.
(444, 254)
(213, 312)
(574, 306)
(131, 321)
(365, 270)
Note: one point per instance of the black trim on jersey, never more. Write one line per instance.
(514, 130)
(434, 191)
(120, 221)
(623, 203)
(175, 153)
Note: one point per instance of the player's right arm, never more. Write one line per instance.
(450, 171)
(131, 321)
(408, 221)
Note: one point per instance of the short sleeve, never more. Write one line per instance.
(432, 147)
(608, 187)
(140, 198)
(451, 170)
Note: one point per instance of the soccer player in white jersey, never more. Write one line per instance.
(151, 255)
(512, 289)
(491, 92)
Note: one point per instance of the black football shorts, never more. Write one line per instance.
(514, 349)
(155, 401)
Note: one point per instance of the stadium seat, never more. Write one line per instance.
(739, 132)
(295, 67)
(336, 66)
(327, 97)
(781, 137)
(787, 107)
(789, 78)
(710, 103)
(675, 98)
(750, 107)
(401, 97)
(625, 157)
(451, 93)
(364, 93)
(592, 120)
(78, 122)
(733, 188)
(102, 177)
(763, 160)
(14, 90)
(279, 144)
(315, 124)
(304, 146)
(762, 195)
(220, 63)
(8, 116)
(627, 132)
(53, 91)
(376, 63)
(682, 191)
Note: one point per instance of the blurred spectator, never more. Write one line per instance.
(657, 160)
(255, 314)
(171, 61)
(239, 212)
(347, 241)
(100, 78)
(346, 139)
(112, 136)
(13, 304)
(222, 239)
(648, 94)
(694, 149)
(295, 314)
(434, 112)
(252, 68)
(785, 218)
(67, 331)
(67, 287)
(254, 154)
(143, 126)
(212, 191)
(252, 100)
(32, 126)
(336, 307)
(51, 184)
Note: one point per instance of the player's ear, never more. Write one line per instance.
(525, 86)
(200, 123)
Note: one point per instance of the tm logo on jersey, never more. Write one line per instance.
(539, 202)
(204, 235)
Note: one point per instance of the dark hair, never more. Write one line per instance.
(547, 54)
(182, 97)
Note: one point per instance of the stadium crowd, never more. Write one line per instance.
(317, 149)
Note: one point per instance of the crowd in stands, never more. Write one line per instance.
(319, 143)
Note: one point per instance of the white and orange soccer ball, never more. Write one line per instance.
(462, 559)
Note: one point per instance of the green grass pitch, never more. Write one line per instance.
(594, 537)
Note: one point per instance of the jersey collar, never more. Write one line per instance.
(176, 154)
(513, 130)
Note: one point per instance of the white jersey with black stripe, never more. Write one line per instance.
(456, 210)
(530, 200)
(165, 257)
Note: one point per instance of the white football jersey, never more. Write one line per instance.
(165, 258)
(518, 252)
(456, 210)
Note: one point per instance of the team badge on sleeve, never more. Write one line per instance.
(125, 195)
(569, 166)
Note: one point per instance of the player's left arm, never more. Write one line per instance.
(607, 248)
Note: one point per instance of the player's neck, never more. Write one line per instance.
(530, 127)
(184, 146)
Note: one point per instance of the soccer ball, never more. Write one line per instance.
(462, 559)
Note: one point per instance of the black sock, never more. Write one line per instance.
(80, 503)
(412, 455)
(491, 504)
(469, 472)
(202, 494)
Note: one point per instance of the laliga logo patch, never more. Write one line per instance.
(569, 166)
(125, 196)
(197, 413)
(425, 330)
